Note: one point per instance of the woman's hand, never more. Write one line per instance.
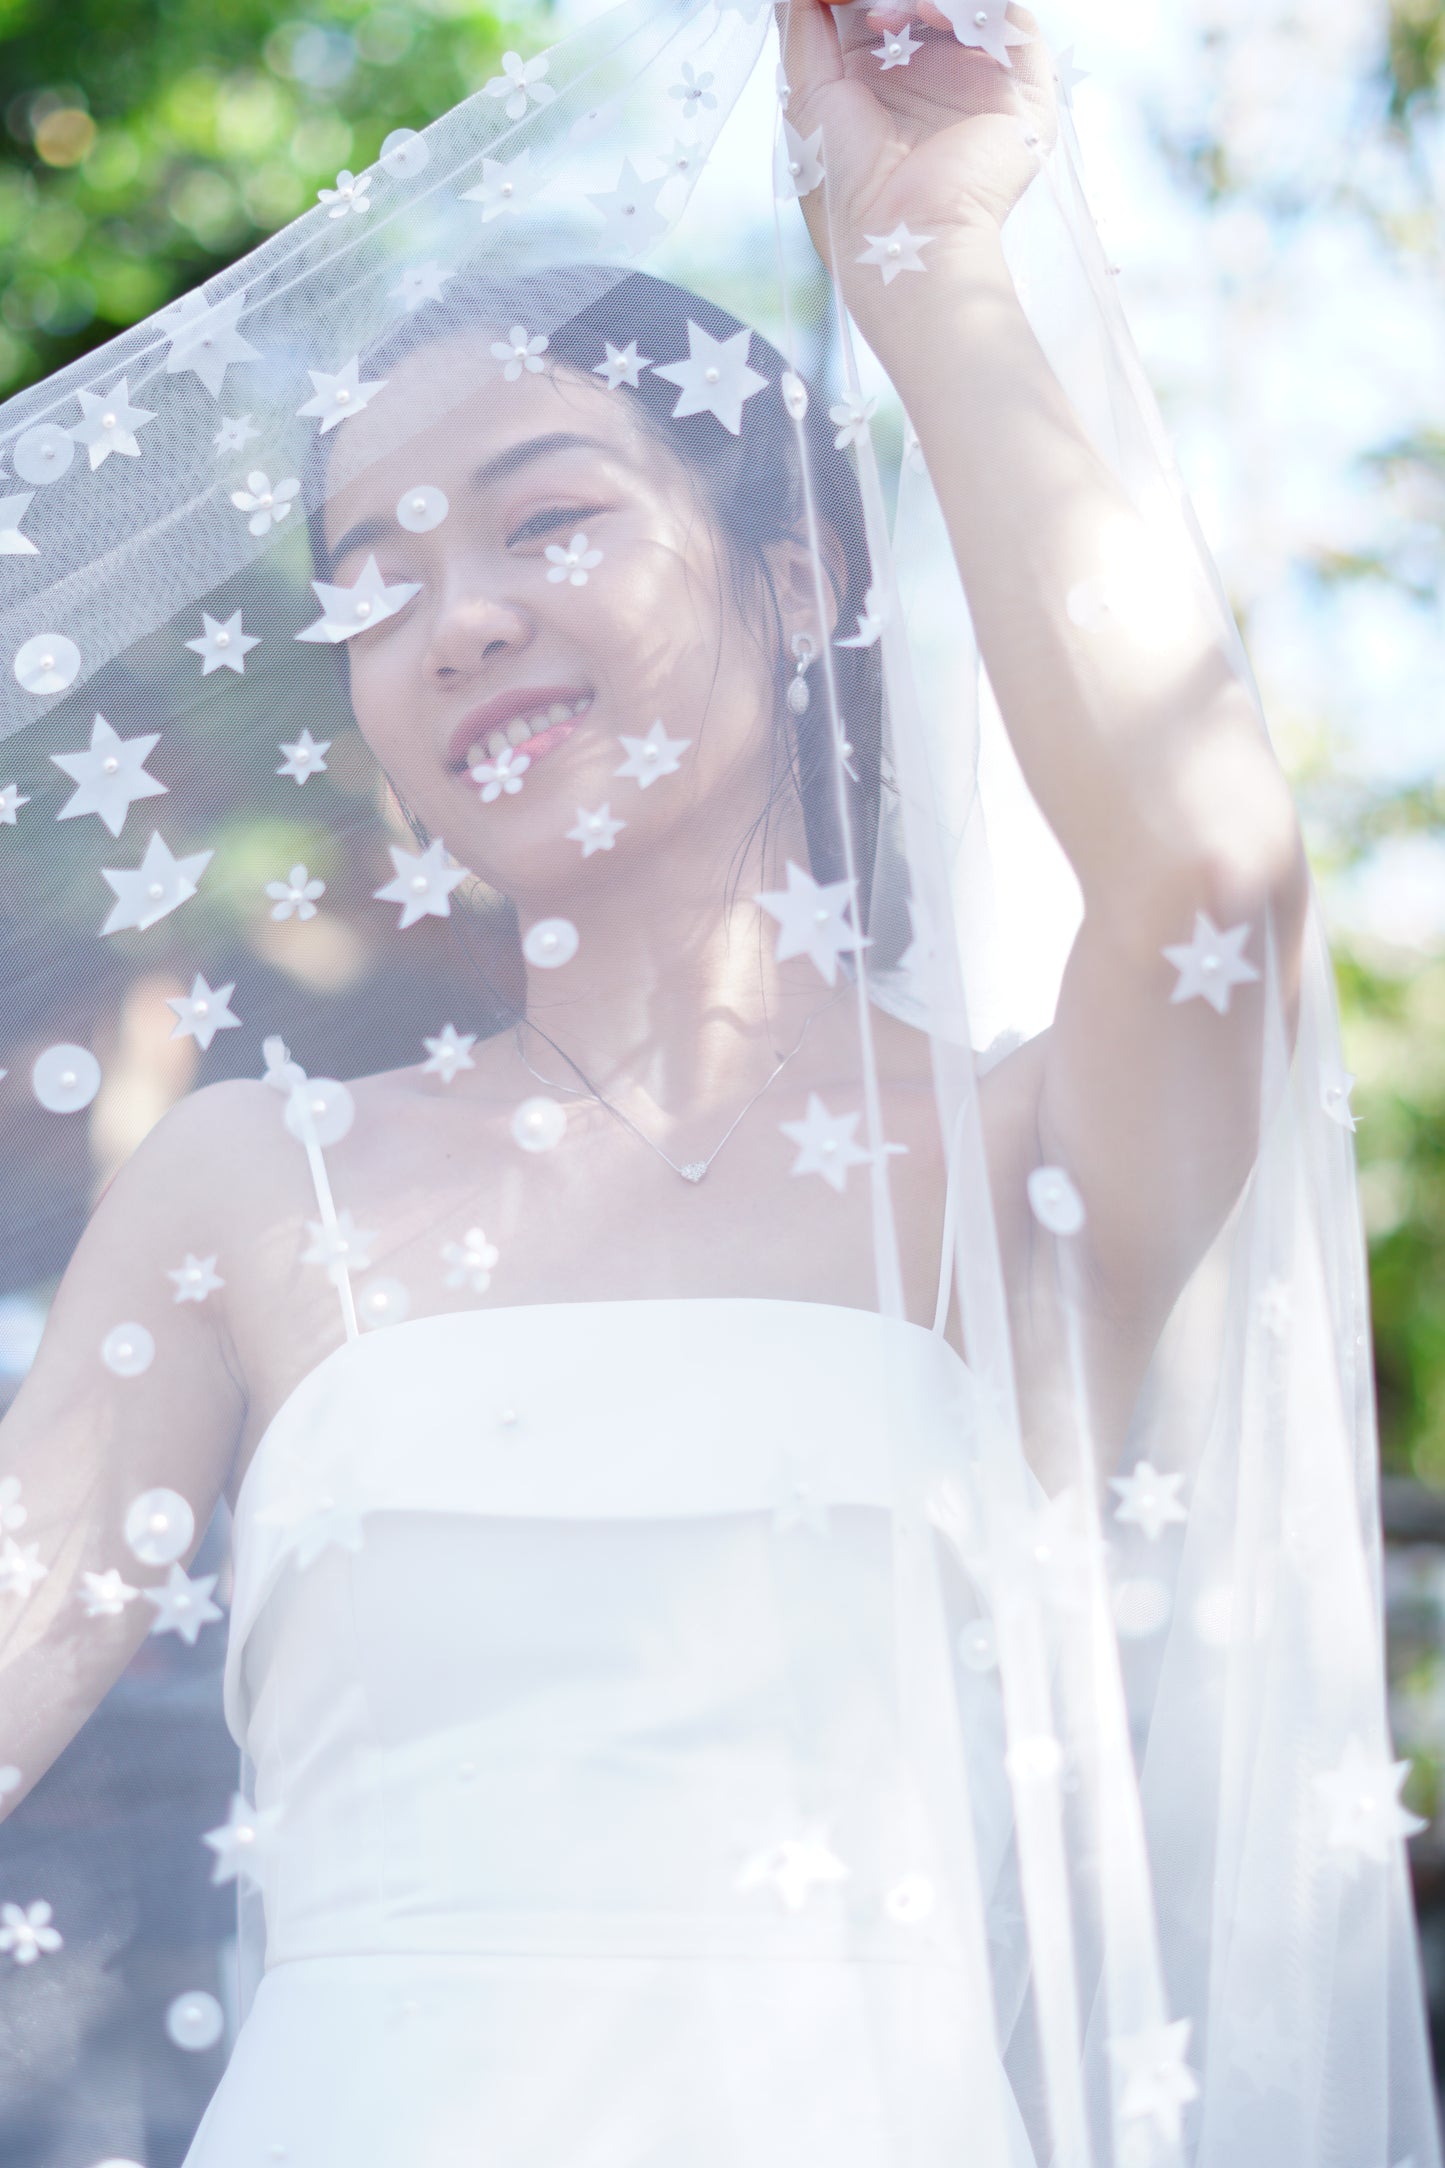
(938, 142)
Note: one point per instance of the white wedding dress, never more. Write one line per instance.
(562, 1654)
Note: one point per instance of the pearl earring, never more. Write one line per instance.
(799, 695)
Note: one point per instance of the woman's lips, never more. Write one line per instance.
(546, 741)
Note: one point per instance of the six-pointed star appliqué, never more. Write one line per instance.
(154, 888)
(109, 423)
(422, 884)
(1211, 966)
(223, 646)
(826, 1144)
(205, 340)
(650, 757)
(345, 611)
(336, 398)
(203, 1012)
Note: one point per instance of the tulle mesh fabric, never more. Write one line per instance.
(781, 1518)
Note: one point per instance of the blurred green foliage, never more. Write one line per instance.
(147, 143)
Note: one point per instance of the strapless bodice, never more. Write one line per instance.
(551, 1625)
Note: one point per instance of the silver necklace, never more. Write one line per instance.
(692, 1170)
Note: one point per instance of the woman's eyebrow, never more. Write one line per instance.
(374, 529)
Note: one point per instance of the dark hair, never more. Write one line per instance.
(756, 485)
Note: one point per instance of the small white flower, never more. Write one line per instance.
(519, 352)
(573, 563)
(348, 198)
(502, 774)
(27, 1931)
(852, 416)
(694, 90)
(520, 82)
(20, 1568)
(341, 1248)
(471, 1261)
(267, 506)
(235, 432)
(295, 893)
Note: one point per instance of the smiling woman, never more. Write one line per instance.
(796, 1446)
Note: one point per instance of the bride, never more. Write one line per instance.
(602, 1794)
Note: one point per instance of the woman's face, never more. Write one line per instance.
(533, 670)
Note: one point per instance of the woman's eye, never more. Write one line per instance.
(571, 516)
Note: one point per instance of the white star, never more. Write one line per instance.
(110, 774)
(205, 339)
(240, 1842)
(471, 1261)
(898, 48)
(505, 185)
(631, 220)
(195, 1279)
(336, 398)
(421, 283)
(203, 1012)
(304, 756)
(1336, 1084)
(223, 647)
(624, 365)
(298, 893)
(648, 758)
(798, 163)
(1210, 965)
(12, 510)
(595, 831)
(519, 82)
(825, 1143)
(895, 252)
(12, 798)
(156, 887)
(183, 1606)
(1066, 75)
(27, 1931)
(341, 1248)
(20, 1568)
(108, 424)
(422, 884)
(715, 378)
(105, 1595)
(346, 611)
(1148, 1499)
(811, 920)
(1362, 1799)
(450, 1051)
(236, 431)
(1155, 2080)
(793, 1868)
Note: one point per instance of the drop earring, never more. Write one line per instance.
(799, 693)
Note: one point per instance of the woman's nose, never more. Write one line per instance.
(471, 628)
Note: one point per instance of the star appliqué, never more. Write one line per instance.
(811, 920)
(505, 185)
(422, 884)
(205, 340)
(109, 775)
(108, 424)
(794, 1868)
(449, 1052)
(1149, 1499)
(826, 1143)
(196, 1278)
(622, 365)
(345, 611)
(716, 377)
(304, 756)
(1155, 2082)
(12, 510)
(985, 25)
(203, 1012)
(223, 646)
(650, 757)
(156, 887)
(240, 1842)
(895, 252)
(1211, 965)
(631, 221)
(183, 1606)
(1366, 1815)
(336, 398)
(595, 831)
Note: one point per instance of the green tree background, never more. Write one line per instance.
(147, 143)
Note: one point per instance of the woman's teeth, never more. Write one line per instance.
(523, 727)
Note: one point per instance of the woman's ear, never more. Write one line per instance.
(793, 572)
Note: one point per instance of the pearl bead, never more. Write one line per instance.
(418, 504)
(508, 1417)
(342, 395)
(506, 188)
(107, 421)
(981, 18)
(363, 609)
(820, 916)
(418, 883)
(794, 168)
(223, 639)
(67, 1078)
(111, 765)
(710, 376)
(649, 752)
(155, 891)
(47, 662)
(203, 1008)
(895, 248)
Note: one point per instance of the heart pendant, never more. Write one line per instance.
(694, 1170)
